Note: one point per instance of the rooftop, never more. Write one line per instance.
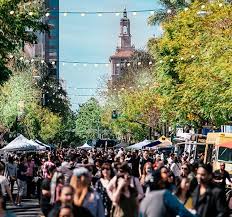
(123, 53)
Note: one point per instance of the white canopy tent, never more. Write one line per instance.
(85, 146)
(140, 145)
(21, 143)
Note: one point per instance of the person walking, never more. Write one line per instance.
(208, 200)
(21, 180)
(160, 202)
(11, 172)
(5, 186)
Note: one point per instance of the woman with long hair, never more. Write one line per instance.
(125, 191)
(84, 195)
(147, 171)
(101, 185)
(182, 192)
(66, 199)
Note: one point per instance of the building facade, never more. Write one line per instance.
(47, 45)
(124, 50)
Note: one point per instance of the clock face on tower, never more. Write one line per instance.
(125, 30)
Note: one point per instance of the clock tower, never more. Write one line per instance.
(124, 50)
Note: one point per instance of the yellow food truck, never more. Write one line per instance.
(219, 149)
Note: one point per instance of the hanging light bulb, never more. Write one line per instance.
(192, 56)
(11, 12)
(182, 58)
(169, 11)
(30, 13)
(53, 62)
(139, 63)
(21, 58)
(42, 61)
(150, 63)
(220, 5)
(128, 64)
(32, 60)
(202, 6)
(47, 14)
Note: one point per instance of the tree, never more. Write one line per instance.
(20, 20)
(193, 67)
(88, 122)
(133, 99)
(168, 10)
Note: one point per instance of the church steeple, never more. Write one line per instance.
(125, 36)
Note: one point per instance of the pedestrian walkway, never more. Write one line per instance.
(30, 208)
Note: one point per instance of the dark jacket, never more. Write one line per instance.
(211, 204)
(77, 211)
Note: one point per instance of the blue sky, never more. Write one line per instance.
(94, 39)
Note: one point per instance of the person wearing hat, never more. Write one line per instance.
(160, 202)
(84, 195)
(208, 199)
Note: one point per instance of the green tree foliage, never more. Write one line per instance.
(88, 122)
(169, 8)
(133, 98)
(194, 68)
(20, 20)
(20, 107)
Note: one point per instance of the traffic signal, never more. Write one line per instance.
(114, 114)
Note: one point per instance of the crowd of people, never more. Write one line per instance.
(110, 183)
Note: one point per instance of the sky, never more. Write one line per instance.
(94, 39)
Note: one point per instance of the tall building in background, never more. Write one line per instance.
(124, 50)
(52, 39)
(47, 46)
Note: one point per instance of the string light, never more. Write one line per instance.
(32, 60)
(182, 58)
(128, 64)
(11, 12)
(42, 61)
(202, 6)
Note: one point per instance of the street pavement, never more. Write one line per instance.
(29, 208)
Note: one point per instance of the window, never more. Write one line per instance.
(225, 154)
